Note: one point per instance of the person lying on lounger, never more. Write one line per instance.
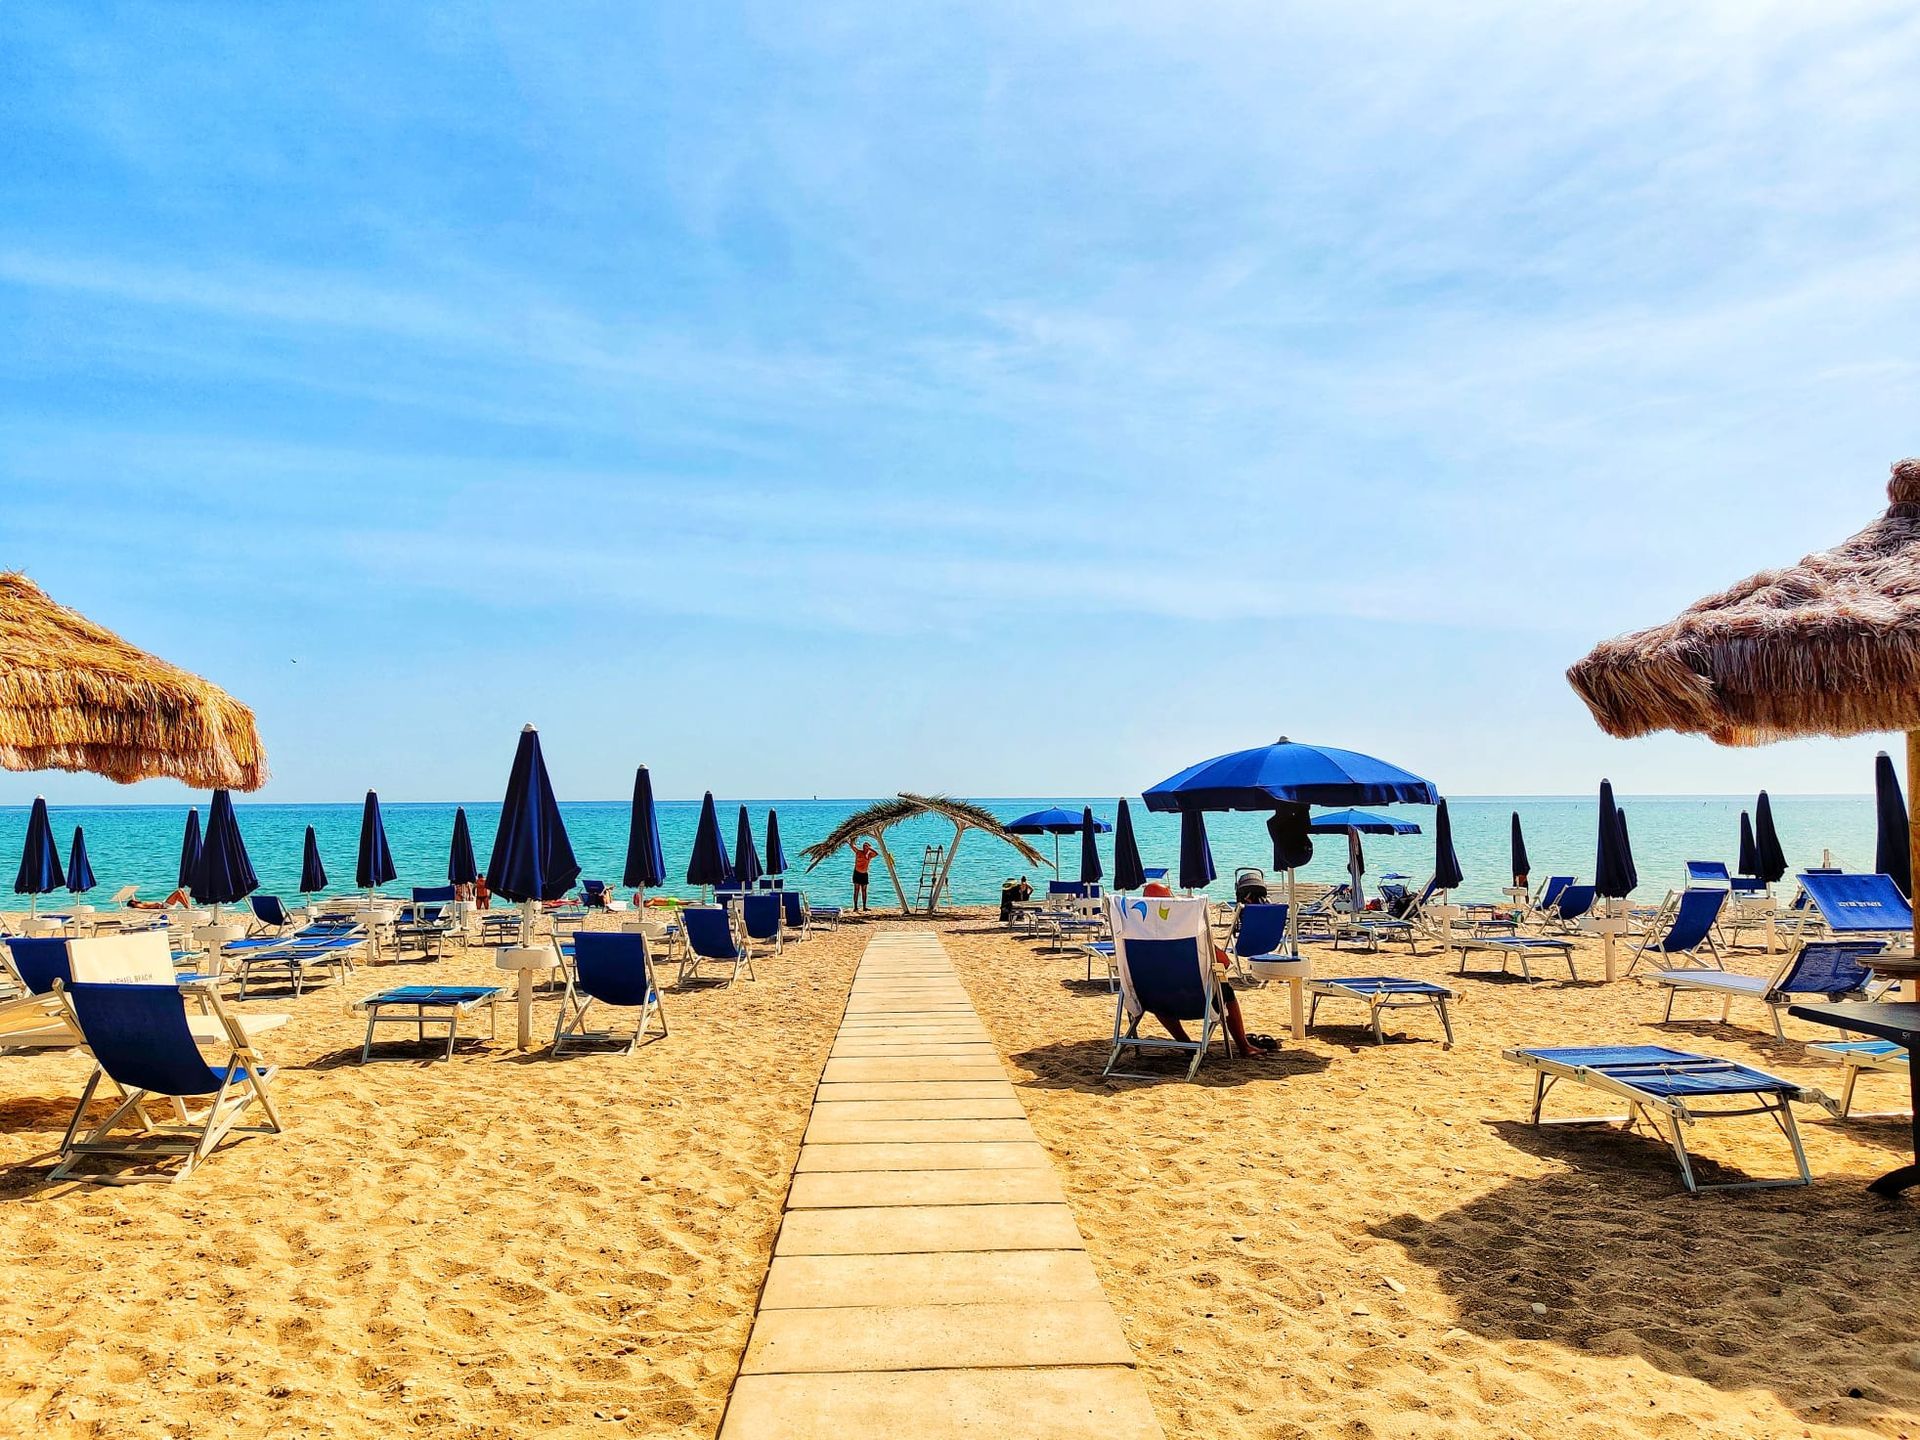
(179, 898)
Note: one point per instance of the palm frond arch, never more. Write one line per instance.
(873, 823)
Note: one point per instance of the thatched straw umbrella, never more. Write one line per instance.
(1830, 646)
(873, 823)
(75, 696)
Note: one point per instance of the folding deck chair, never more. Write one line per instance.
(1380, 993)
(1690, 927)
(1829, 969)
(1664, 1087)
(141, 1041)
(1163, 953)
(615, 970)
(269, 915)
(708, 933)
(1569, 906)
(793, 913)
(1708, 875)
(39, 1020)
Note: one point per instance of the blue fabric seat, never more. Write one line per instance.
(1163, 953)
(709, 937)
(1830, 969)
(1690, 927)
(613, 969)
(1380, 993)
(760, 920)
(430, 1005)
(140, 1039)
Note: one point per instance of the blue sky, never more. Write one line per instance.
(1008, 399)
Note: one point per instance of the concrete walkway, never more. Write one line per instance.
(929, 1279)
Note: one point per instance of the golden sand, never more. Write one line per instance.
(1346, 1240)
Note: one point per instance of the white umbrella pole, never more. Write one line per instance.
(1293, 918)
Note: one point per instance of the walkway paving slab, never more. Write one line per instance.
(985, 1155)
(909, 1229)
(841, 1189)
(1107, 1402)
(822, 1282)
(916, 1090)
(825, 1130)
(935, 1337)
(995, 1107)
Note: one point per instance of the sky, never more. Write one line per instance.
(1000, 399)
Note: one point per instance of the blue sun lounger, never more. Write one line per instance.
(1858, 1055)
(1665, 1088)
(1383, 992)
(1828, 969)
(1510, 948)
(430, 1005)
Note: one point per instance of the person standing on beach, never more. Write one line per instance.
(862, 866)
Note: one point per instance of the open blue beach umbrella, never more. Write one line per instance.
(225, 875)
(1090, 871)
(1446, 863)
(375, 865)
(1367, 822)
(1260, 778)
(646, 867)
(1626, 848)
(1196, 855)
(1056, 822)
(746, 859)
(313, 875)
(1521, 866)
(40, 872)
(79, 869)
(462, 869)
(776, 852)
(1892, 855)
(1766, 842)
(1749, 852)
(708, 864)
(1128, 872)
(1612, 877)
(532, 858)
(189, 853)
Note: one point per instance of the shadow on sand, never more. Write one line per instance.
(1076, 1065)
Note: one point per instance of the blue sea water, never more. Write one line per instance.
(139, 844)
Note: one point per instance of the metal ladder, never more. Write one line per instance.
(931, 863)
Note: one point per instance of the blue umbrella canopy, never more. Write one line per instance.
(1090, 871)
(1196, 855)
(708, 864)
(776, 853)
(1128, 872)
(1054, 821)
(375, 865)
(189, 852)
(313, 874)
(1521, 866)
(532, 857)
(1892, 838)
(1260, 778)
(746, 859)
(1750, 853)
(461, 867)
(40, 872)
(1766, 842)
(225, 874)
(1367, 822)
(646, 867)
(79, 869)
(1612, 874)
(1446, 863)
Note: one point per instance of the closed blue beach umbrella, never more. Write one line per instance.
(1766, 842)
(189, 853)
(1612, 878)
(1128, 872)
(708, 864)
(1446, 864)
(1521, 866)
(1290, 827)
(374, 867)
(746, 859)
(313, 875)
(1626, 849)
(1749, 852)
(79, 869)
(1196, 855)
(40, 872)
(776, 853)
(225, 875)
(1090, 871)
(462, 869)
(646, 867)
(1892, 839)
(532, 858)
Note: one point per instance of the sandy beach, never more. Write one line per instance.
(1342, 1240)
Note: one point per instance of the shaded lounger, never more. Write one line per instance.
(1383, 992)
(1828, 969)
(141, 1040)
(1664, 1088)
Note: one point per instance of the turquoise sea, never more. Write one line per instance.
(140, 844)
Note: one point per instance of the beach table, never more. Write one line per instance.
(429, 1005)
(1900, 1023)
(526, 961)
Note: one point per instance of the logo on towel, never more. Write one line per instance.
(1138, 905)
(1165, 911)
